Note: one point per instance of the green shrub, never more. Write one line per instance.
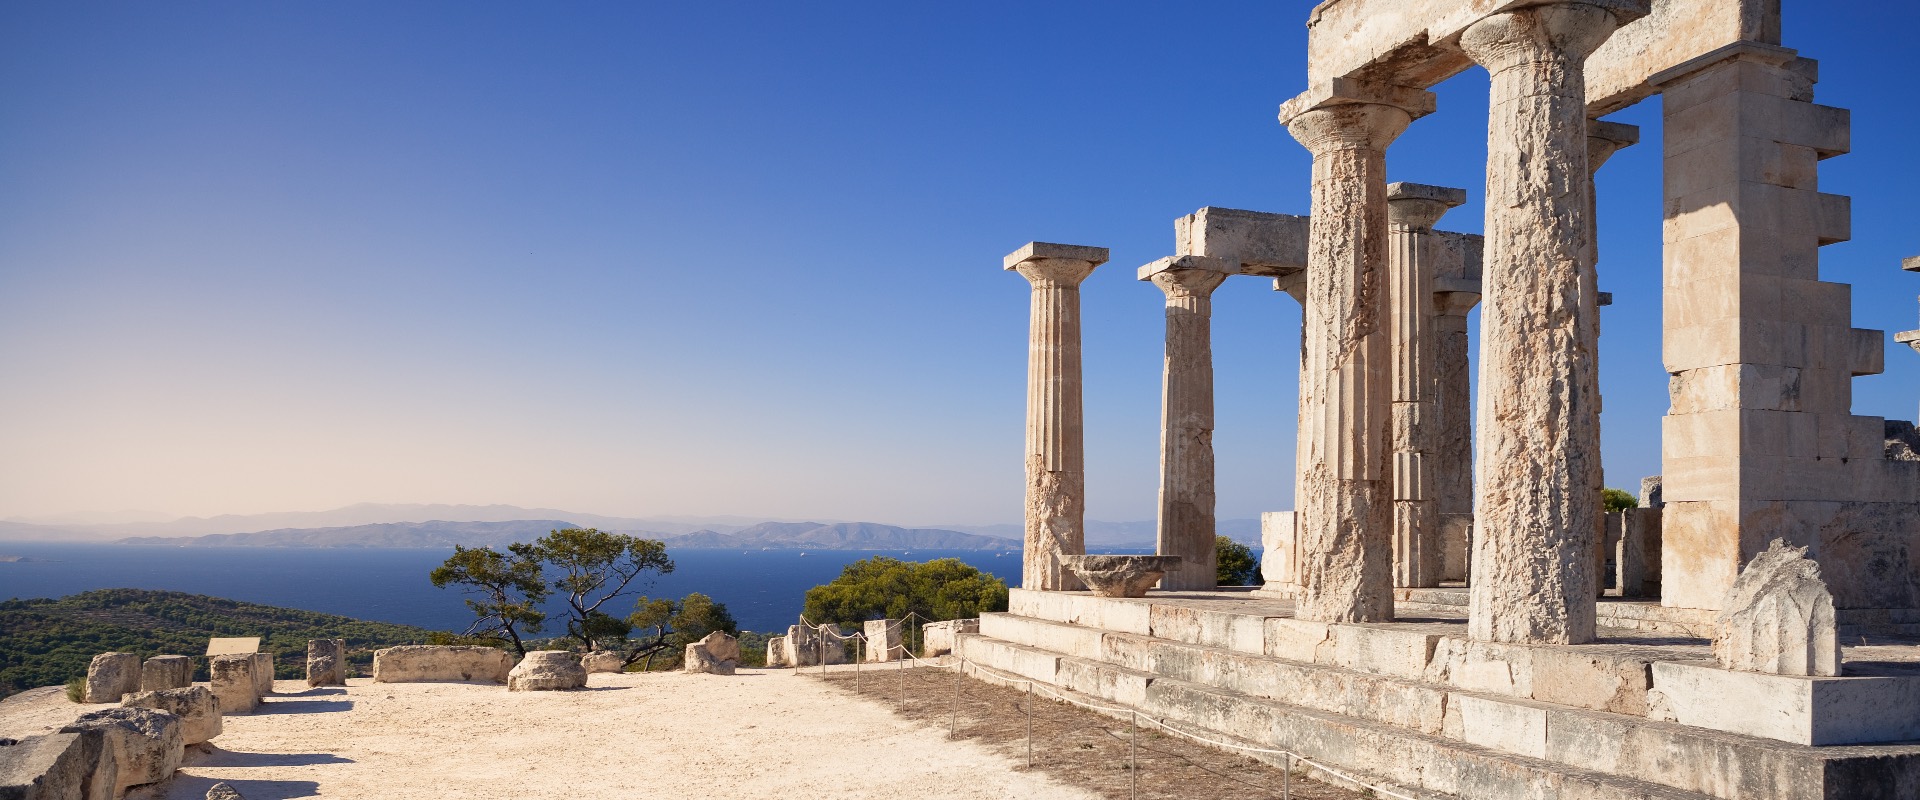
(77, 690)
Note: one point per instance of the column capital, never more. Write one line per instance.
(1418, 205)
(1047, 264)
(1910, 263)
(1554, 30)
(1606, 138)
(1294, 285)
(1186, 276)
(1416, 103)
(1908, 338)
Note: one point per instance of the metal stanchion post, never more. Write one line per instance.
(903, 685)
(1133, 760)
(860, 654)
(1029, 724)
(953, 723)
(1286, 780)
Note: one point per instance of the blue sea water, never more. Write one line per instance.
(764, 589)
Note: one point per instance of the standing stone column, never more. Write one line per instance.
(1186, 526)
(1537, 508)
(1056, 443)
(1453, 429)
(1345, 504)
(1412, 210)
(1603, 140)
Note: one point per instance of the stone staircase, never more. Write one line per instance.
(1415, 704)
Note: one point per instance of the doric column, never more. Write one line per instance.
(1056, 442)
(1537, 510)
(1453, 426)
(1186, 418)
(1344, 505)
(1603, 140)
(1412, 210)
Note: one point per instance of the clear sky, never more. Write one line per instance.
(714, 258)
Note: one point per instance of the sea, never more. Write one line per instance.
(763, 589)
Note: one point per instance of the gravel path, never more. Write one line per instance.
(760, 733)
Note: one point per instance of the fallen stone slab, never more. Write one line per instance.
(146, 745)
(722, 646)
(111, 675)
(166, 672)
(701, 660)
(603, 661)
(426, 663)
(59, 766)
(196, 707)
(545, 671)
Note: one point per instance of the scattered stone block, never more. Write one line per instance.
(166, 672)
(59, 766)
(112, 675)
(233, 684)
(603, 661)
(196, 707)
(1651, 489)
(545, 671)
(778, 654)
(263, 666)
(700, 659)
(883, 640)
(326, 662)
(146, 745)
(940, 638)
(1778, 617)
(222, 791)
(722, 646)
(422, 663)
(808, 646)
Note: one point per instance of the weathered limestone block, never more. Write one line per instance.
(778, 653)
(166, 672)
(883, 640)
(808, 646)
(263, 666)
(603, 661)
(233, 684)
(1538, 503)
(1056, 438)
(326, 662)
(111, 675)
(420, 663)
(222, 791)
(1279, 557)
(940, 638)
(722, 646)
(58, 766)
(146, 745)
(699, 659)
(547, 670)
(198, 710)
(1651, 492)
(1778, 618)
(1120, 576)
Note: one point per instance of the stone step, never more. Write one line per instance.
(1678, 756)
(1395, 754)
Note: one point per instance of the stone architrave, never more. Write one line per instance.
(231, 677)
(883, 640)
(1344, 486)
(547, 671)
(1778, 617)
(1056, 440)
(424, 663)
(1538, 505)
(111, 675)
(1412, 210)
(326, 662)
(146, 744)
(1186, 522)
(166, 672)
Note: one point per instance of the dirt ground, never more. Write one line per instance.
(1072, 745)
(761, 733)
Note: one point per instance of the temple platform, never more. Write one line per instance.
(1644, 712)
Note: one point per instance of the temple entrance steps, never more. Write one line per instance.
(1415, 703)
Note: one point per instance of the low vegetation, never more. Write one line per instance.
(888, 588)
(46, 642)
(1618, 499)
(1234, 564)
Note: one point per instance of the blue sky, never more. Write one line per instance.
(712, 258)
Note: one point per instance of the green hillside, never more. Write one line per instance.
(46, 642)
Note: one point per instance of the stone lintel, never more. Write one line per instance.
(1446, 195)
(1910, 263)
(1034, 251)
(1772, 55)
(1249, 242)
(1353, 91)
(1411, 42)
(1172, 263)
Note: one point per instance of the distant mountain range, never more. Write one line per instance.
(437, 533)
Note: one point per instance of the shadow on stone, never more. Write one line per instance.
(216, 757)
(251, 790)
(304, 706)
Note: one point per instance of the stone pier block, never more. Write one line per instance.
(233, 683)
(146, 745)
(166, 672)
(883, 640)
(112, 675)
(326, 662)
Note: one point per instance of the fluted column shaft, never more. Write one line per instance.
(1345, 506)
(1186, 521)
(1453, 428)
(1056, 505)
(1412, 211)
(1536, 509)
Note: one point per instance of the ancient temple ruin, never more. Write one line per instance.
(1448, 609)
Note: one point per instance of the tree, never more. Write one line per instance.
(1234, 563)
(507, 587)
(597, 567)
(888, 588)
(1618, 499)
(672, 626)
